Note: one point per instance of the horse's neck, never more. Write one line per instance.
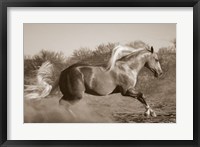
(138, 63)
(135, 64)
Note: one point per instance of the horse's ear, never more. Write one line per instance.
(152, 50)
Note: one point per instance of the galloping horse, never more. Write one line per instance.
(120, 75)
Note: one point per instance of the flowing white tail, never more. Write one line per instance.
(47, 79)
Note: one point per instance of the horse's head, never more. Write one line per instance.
(153, 63)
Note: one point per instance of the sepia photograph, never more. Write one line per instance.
(99, 72)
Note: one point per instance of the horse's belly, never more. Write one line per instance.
(97, 81)
(103, 87)
(103, 84)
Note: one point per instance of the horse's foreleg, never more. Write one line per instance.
(140, 97)
(148, 111)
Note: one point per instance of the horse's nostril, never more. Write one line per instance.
(161, 73)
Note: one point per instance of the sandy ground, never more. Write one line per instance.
(113, 108)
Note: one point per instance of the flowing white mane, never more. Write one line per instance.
(120, 51)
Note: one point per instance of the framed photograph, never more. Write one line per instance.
(99, 73)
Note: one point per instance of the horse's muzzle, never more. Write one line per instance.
(158, 74)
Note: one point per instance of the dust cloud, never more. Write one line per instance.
(48, 110)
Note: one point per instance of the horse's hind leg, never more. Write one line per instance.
(66, 105)
(140, 97)
(72, 86)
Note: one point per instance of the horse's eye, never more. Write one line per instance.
(156, 60)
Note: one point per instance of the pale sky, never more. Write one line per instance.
(70, 37)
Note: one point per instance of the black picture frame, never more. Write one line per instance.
(4, 4)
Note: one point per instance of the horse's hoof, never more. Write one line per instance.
(147, 113)
(153, 114)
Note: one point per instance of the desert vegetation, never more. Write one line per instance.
(160, 93)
